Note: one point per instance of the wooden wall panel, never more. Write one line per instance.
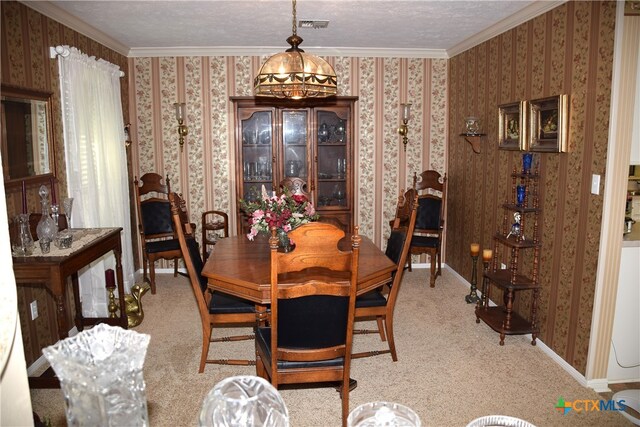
(567, 50)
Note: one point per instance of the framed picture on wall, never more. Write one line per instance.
(512, 126)
(549, 119)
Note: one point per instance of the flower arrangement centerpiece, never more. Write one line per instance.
(285, 212)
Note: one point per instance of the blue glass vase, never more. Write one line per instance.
(527, 159)
(521, 192)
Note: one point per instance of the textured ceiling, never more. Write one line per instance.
(374, 24)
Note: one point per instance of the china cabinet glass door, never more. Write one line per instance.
(332, 160)
(257, 154)
(294, 141)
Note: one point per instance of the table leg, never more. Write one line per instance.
(117, 252)
(61, 314)
(262, 316)
(75, 285)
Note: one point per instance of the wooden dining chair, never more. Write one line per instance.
(216, 308)
(311, 332)
(380, 303)
(213, 221)
(157, 236)
(427, 236)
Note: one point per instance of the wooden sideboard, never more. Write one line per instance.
(52, 271)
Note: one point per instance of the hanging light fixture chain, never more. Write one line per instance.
(295, 74)
(293, 23)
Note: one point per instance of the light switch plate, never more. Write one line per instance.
(34, 309)
(595, 184)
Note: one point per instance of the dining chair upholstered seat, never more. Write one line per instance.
(215, 308)
(379, 304)
(220, 303)
(310, 336)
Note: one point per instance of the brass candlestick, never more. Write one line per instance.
(482, 302)
(473, 295)
(111, 287)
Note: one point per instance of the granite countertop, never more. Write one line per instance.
(632, 239)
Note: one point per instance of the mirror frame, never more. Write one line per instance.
(29, 94)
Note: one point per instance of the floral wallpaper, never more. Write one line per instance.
(205, 170)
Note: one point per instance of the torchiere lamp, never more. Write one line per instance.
(403, 130)
(183, 130)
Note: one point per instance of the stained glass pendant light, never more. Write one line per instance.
(295, 74)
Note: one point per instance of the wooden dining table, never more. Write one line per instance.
(242, 268)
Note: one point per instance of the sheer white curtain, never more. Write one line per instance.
(96, 162)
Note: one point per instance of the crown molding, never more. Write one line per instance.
(260, 51)
(54, 12)
(534, 9)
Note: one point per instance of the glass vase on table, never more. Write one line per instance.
(67, 204)
(24, 244)
(284, 242)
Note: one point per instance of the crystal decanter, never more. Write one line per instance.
(47, 229)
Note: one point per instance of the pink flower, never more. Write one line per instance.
(253, 233)
(286, 228)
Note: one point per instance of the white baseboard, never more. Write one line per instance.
(600, 385)
(421, 265)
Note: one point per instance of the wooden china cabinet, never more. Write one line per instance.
(520, 238)
(311, 139)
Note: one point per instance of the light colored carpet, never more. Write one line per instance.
(450, 369)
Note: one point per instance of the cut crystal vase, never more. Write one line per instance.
(100, 373)
(244, 401)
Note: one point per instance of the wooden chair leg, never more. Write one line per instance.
(260, 370)
(175, 267)
(439, 263)
(432, 261)
(392, 343)
(381, 328)
(152, 275)
(145, 260)
(206, 341)
(409, 258)
(345, 403)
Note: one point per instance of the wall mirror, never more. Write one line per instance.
(27, 135)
